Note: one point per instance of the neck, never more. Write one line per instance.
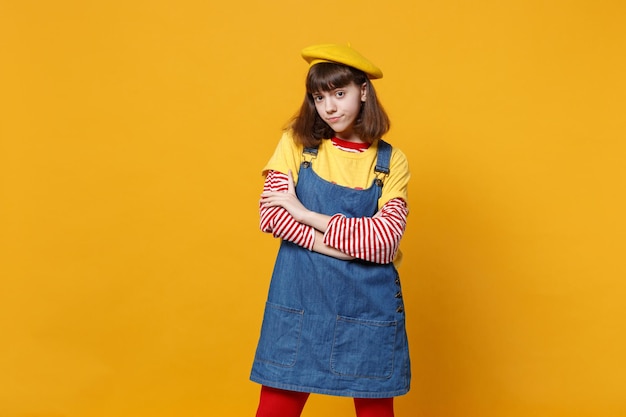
(351, 137)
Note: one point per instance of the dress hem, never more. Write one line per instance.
(337, 393)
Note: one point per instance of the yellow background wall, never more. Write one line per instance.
(132, 134)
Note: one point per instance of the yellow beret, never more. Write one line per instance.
(340, 54)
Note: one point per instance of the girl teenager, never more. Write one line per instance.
(334, 319)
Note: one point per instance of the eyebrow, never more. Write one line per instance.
(329, 91)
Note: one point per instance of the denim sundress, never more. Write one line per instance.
(332, 326)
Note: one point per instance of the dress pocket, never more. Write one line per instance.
(280, 335)
(363, 348)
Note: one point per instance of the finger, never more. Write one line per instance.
(266, 194)
(290, 185)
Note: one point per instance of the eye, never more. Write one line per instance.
(317, 97)
(340, 93)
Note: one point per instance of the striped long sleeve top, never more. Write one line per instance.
(375, 239)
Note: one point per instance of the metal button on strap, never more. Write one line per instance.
(306, 164)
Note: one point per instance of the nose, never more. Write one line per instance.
(330, 106)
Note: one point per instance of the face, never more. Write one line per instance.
(340, 107)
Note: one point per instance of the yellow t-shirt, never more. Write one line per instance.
(348, 169)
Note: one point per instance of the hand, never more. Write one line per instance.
(287, 200)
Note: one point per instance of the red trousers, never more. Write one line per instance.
(281, 403)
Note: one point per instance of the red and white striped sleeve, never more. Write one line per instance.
(375, 239)
(278, 221)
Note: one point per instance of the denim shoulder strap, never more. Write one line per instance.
(384, 157)
(311, 153)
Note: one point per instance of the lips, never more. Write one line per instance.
(333, 119)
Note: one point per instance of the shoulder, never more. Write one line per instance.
(398, 158)
(398, 162)
(286, 156)
(288, 144)
(396, 183)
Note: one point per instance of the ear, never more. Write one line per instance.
(363, 92)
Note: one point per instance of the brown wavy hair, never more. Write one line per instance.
(309, 128)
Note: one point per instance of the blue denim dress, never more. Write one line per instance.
(331, 326)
